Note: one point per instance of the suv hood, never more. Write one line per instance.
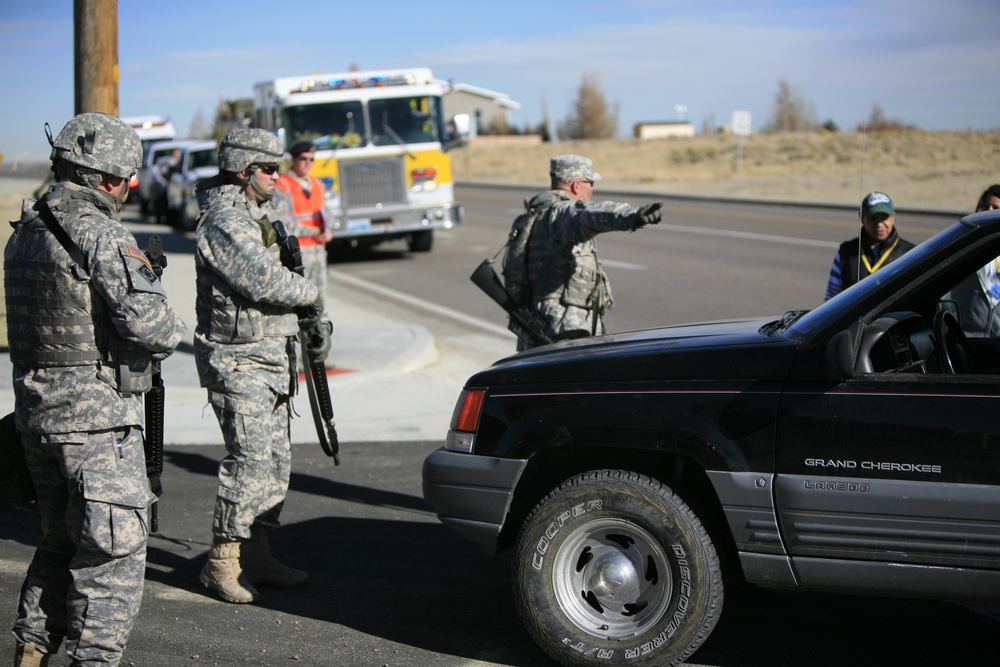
(701, 351)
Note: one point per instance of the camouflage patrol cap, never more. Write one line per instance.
(100, 142)
(565, 167)
(245, 146)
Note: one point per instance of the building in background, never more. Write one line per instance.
(488, 110)
(663, 129)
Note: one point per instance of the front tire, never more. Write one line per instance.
(613, 568)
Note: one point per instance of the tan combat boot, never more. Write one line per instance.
(222, 572)
(260, 567)
(28, 655)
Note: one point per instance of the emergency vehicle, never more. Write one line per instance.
(151, 129)
(382, 154)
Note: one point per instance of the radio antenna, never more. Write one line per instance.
(861, 199)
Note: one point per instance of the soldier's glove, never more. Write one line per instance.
(160, 356)
(318, 341)
(312, 314)
(649, 214)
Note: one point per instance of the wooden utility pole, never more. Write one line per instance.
(95, 51)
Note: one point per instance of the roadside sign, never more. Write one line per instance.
(741, 123)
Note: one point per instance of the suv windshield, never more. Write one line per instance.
(405, 120)
(332, 125)
(860, 299)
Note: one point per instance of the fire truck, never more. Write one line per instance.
(381, 140)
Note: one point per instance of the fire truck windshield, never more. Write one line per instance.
(329, 126)
(405, 120)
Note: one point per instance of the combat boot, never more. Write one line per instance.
(223, 573)
(261, 567)
(28, 655)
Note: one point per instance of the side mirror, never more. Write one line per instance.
(459, 128)
(463, 125)
(840, 356)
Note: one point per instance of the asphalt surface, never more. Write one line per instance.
(390, 586)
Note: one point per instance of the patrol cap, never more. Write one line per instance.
(98, 141)
(573, 166)
(247, 145)
(875, 203)
(302, 147)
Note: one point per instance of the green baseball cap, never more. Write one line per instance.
(875, 203)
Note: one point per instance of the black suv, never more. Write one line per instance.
(852, 448)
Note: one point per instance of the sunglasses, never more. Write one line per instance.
(269, 169)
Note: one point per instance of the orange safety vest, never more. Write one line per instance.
(308, 208)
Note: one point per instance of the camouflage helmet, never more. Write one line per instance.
(100, 142)
(245, 146)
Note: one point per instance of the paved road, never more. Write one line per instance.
(392, 587)
(708, 260)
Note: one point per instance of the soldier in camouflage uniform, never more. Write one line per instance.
(86, 316)
(246, 355)
(568, 286)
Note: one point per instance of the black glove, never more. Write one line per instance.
(313, 315)
(649, 215)
(318, 341)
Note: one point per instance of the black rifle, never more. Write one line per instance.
(154, 402)
(317, 387)
(526, 322)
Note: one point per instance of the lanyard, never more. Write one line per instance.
(881, 260)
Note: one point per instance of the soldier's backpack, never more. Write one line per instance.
(515, 259)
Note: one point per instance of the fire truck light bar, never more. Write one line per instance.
(315, 85)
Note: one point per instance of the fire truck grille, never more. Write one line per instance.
(368, 183)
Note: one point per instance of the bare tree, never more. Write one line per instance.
(591, 117)
(791, 113)
(879, 122)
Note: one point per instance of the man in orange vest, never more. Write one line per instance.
(300, 206)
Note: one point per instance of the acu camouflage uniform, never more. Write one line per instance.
(568, 286)
(81, 340)
(246, 355)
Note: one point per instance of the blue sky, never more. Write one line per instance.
(929, 63)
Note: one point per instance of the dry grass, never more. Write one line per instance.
(939, 170)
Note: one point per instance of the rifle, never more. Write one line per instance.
(526, 322)
(317, 387)
(154, 401)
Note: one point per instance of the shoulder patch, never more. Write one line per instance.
(134, 251)
(147, 272)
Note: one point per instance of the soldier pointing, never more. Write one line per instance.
(563, 279)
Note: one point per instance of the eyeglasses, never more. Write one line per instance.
(269, 169)
(584, 180)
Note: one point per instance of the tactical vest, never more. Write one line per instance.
(307, 208)
(234, 318)
(49, 320)
(53, 319)
(574, 278)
